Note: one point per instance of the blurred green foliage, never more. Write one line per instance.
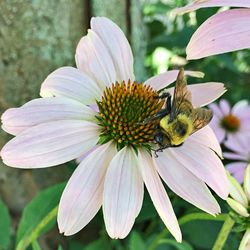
(168, 35)
(5, 228)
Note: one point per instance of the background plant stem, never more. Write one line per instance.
(223, 234)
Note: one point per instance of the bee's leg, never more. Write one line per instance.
(163, 96)
(160, 114)
(163, 112)
(155, 152)
(167, 109)
(168, 105)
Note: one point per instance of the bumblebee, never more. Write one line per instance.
(178, 119)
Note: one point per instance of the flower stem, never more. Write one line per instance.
(185, 219)
(26, 241)
(223, 234)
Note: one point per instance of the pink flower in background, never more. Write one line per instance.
(223, 32)
(241, 155)
(231, 123)
(61, 126)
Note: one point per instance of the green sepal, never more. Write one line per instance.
(104, 139)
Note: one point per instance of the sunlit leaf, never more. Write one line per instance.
(39, 216)
(136, 242)
(4, 226)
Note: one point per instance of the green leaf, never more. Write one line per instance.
(148, 211)
(201, 234)
(39, 216)
(180, 246)
(136, 242)
(60, 247)
(4, 226)
(35, 245)
(98, 244)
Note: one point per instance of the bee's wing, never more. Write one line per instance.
(182, 95)
(200, 118)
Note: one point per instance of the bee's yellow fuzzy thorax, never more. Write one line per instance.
(179, 129)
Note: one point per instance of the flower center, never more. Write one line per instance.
(230, 123)
(123, 109)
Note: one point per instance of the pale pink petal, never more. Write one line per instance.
(82, 197)
(123, 193)
(207, 138)
(245, 124)
(223, 32)
(244, 113)
(184, 183)
(71, 83)
(49, 144)
(117, 44)
(220, 134)
(158, 194)
(204, 93)
(204, 164)
(164, 79)
(37, 111)
(198, 4)
(93, 58)
(82, 157)
(225, 107)
(234, 156)
(238, 142)
(218, 130)
(240, 107)
(216, 110)
(237, 169)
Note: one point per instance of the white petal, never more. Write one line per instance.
(208, 139)
(50, 144)
(204, 164)
(16, 120)
(93, 59)
(221, 33)
(197, 4)
(82, 197)
(184, 183)
(158, 194)
(164, 79)
(71, 83)
(123, 193)
(247, 182)
(117, 45)
(204, 93)
(237, 207)
(245, 242)
(236, 191)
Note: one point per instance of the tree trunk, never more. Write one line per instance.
(37, 37)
